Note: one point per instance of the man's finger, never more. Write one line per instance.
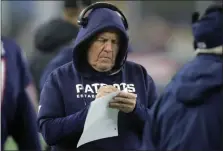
(107, 88)
(127, 95)
(103, 93)
(118, 105)
(123, 100)
(108, 91)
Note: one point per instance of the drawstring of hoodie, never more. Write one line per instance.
(82, 82)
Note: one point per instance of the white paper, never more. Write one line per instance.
(101, 121)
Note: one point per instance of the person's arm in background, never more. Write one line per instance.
(31, 91)
(54, 125)
(27, 80)
(25, 131)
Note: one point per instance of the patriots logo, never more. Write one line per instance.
(90, 90)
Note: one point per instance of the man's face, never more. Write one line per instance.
(103, 51)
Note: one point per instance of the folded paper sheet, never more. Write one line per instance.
(101, 121)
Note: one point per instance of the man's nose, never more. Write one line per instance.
(108, 47)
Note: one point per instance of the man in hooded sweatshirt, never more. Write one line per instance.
(52, 36)
(99, 67)
(188, 116)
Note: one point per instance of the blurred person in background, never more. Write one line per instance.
(99, 67)
(52, 36)
(18, 116)
(188, 116)
(155, 56)
(18, 14)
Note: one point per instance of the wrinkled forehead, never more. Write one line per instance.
(109, 34)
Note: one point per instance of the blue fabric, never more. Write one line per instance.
(188, 116)
(18, 116)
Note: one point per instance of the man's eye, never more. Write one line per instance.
(115, 42)
(102, 40)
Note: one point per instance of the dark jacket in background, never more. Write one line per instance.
(64, 56)
(189, 114)
(18, 117)
(49, 39)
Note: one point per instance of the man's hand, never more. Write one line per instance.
(104, 90)
(124, 102)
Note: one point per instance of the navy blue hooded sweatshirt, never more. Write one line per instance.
(68, 91)
(18, 117)
(188, 116)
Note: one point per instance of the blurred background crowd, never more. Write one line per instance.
(160, 31)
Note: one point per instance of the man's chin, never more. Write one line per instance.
(104, 67)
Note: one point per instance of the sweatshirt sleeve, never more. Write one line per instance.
(55, 127)
(142, 112)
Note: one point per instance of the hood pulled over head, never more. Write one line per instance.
(100, 20)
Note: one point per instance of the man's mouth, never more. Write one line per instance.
(104, 57)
